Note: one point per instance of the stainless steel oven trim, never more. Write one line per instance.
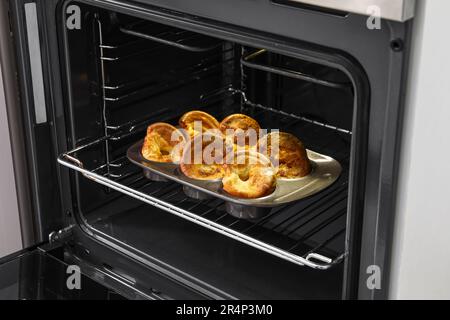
(397, 10)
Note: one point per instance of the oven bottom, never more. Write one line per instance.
(227, 265)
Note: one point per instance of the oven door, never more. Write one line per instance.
(35, 274)
(56, 272)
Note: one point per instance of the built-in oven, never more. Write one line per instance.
(107, 70)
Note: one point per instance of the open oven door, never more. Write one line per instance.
(35, 274)
(60, 270)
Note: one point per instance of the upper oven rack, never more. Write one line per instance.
(251, 61)
(265, 234)
(171, 36)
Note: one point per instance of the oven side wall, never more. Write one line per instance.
(421, 254)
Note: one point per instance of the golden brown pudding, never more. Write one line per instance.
(291, 160)
(163, 143)
(251, 176)
(204, 156)
(241, 129)
(203, 120)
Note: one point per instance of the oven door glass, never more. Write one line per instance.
(37, 275)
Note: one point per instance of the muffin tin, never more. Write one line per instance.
(325, 172)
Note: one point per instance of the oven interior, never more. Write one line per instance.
(126, 73)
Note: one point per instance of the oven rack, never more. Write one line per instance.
(180, 78)
(127, 50)
(203, 64)
(174, 37)
(278, 112)
(310, 258)
(283, 227)
(251, 61)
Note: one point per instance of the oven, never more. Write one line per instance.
(106, 70)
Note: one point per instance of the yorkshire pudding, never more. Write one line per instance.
(197, 122)
(204, 156)
(241, 129)
(250, 176)
(163, 143)
(291, 159)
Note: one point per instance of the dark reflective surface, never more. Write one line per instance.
(38, 276)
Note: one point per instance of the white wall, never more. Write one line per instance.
(10, 235)
(421, 255)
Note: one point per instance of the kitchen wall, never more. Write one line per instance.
(10, 234)
(421, 255)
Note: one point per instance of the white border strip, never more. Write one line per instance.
(34, 47)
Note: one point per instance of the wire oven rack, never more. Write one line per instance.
(300, 233)
(253, 60)
(171, 36)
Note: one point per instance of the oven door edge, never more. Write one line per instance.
(35, 120)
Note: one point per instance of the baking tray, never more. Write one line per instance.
(325, 172)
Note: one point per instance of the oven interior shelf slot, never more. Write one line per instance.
(258, 60)
(174, 37)
(178, 78)
(307, 233)
(115, 54)
(122, 53)
(163, 114)
(291, 115)
(209, 103)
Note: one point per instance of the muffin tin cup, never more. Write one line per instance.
(246, 212)
(325, 172)
(152, 176)
(196, 194)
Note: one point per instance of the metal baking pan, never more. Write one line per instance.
(325, 172)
